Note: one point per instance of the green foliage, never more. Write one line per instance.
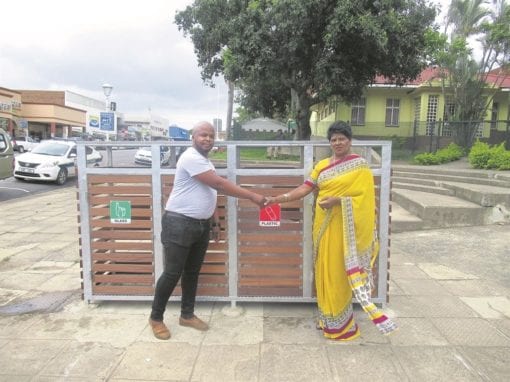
(482, 155)
(450, 153)
(286, 55)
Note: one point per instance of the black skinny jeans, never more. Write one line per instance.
(185, 242)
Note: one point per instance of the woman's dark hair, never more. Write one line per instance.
(339, 127)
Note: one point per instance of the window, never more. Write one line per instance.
(392, 111)
(358, 112)
(449, 112)
(494, 116)
(432, 114)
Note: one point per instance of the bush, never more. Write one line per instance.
(450, 153)
(484, 156)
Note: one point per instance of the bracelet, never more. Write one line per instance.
(286, 196)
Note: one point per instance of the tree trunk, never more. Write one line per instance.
(303, 114)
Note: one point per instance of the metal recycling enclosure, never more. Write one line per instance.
(122, 260)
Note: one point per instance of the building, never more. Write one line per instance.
(415, 112)
(40, 114)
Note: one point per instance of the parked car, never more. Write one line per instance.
(6, 155)
(143, 156)
(52, 161)
(23, 144)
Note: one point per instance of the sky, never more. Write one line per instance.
(133, 45)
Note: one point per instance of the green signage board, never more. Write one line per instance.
(120, 211)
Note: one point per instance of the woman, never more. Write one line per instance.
(344, 236)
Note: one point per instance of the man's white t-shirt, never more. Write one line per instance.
(189, 196)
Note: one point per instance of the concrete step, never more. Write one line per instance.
(438, 211)
(448, 176)
(417, 186)
(404, 221)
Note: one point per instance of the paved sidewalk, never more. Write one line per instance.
(449, 293)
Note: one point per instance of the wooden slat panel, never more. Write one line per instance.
(269, 292)
(124, 190)
(284, 260)
(127, 268)
(129, 290)
(125, 234)
(135, 212)
(129, 278)
(274, 236)
(263, 249)
(134, 224)
(270, 271)
(105, 200)
(213, 268)
(110, 178)
(112, 245)
(123, 257)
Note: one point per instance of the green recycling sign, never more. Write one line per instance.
(120, 211)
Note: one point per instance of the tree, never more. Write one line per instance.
(464, 75)
(286, 55)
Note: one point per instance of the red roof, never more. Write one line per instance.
(500, 76)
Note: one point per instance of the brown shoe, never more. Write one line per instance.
(194, 322)
(159, 329)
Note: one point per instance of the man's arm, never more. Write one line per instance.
(228, 188)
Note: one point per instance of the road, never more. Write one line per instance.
(11, 188)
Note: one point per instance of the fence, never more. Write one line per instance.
(120, 209)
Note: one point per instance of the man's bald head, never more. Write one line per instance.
(201, 125)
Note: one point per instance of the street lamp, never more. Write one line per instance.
(107, 90)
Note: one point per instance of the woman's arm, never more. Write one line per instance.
(295, 194)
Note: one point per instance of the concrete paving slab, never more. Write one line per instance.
(240, 330)
(14, 326)
(26, 357)
(8, 295)
(87, 360)
(489, 307)
(403, 306)
(470, 332)
(425, 287)
(502, 325)
(290, 362)
(160, 361)
(417, 332)
(11, 279)
(356, 363)
(117, 330)
(435, 363)
(474, 288)
(406, 271)
(394, 289)
(45, 266)
(227, 363)
(285, 330)
(62, 281)
(442, 306)
(490, 363)
(441, 272)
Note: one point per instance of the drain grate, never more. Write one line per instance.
(47, 303)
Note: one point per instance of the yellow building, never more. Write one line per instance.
(414, 112)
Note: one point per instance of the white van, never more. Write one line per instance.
(6, 155)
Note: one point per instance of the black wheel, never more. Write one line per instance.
(61, 177)
(19, 179)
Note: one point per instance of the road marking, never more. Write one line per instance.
(13, 188)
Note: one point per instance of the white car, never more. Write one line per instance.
(143, 156)
(23, 144)
(52, 161)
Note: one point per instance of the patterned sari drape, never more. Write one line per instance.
(345, 246)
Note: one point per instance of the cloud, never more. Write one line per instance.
(133, 45)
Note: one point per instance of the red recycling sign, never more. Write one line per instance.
(269, 216)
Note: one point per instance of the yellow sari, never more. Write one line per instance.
(345, 246)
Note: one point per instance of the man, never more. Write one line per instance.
(188, 218)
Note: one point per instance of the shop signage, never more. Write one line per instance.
(107, 121)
